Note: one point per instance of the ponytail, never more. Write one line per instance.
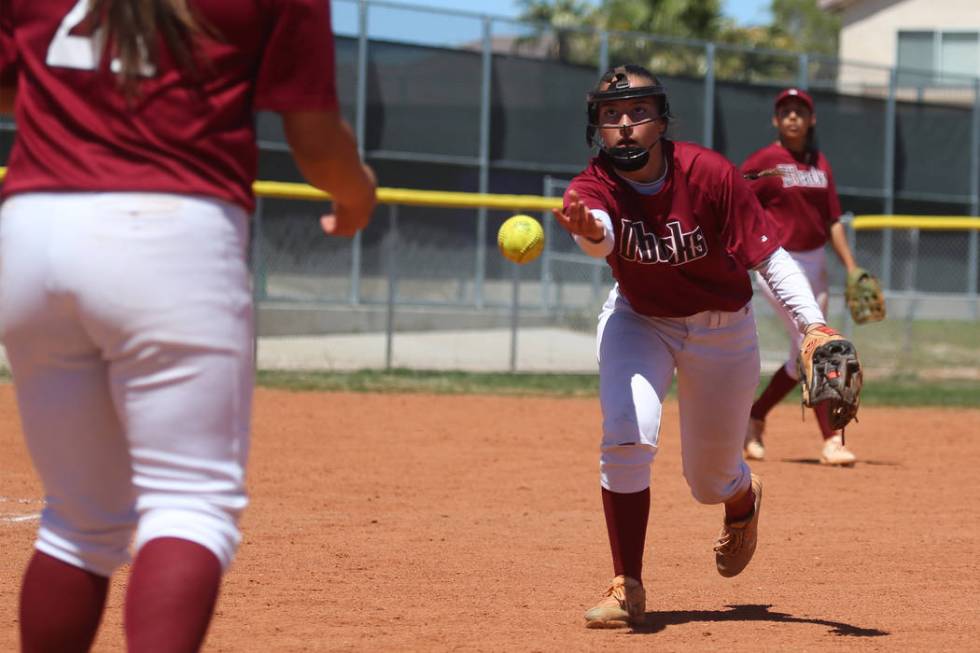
(135, 29)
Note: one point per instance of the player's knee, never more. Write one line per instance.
(626, 469)
(212, 524)
(717, 488)
(99, 545)
(633, 427)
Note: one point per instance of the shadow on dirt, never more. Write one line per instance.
(859, 463)
(658, 621)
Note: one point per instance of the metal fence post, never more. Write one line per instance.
(889, 178)
(515, 308)
(596, 281)
(360, 127)
(848, 220)
(392, 265)
(708, 137)
(481, 219)
(260, 287)
(912, 293)
(974, 235)
(547, 221)
(603, 52)
(803, 75)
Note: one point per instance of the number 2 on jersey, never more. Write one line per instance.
(83, 51)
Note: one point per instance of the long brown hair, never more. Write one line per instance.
(135, 28)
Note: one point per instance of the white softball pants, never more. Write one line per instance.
(814, 266)
(716, 358)
(127, 321)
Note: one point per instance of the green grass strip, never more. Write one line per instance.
(437, 382)
(908, 391)
(881, 392)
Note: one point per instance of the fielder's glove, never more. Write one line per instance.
(865, 300)
(830, 371)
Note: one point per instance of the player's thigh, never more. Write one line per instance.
(70, 426)
(636, 367)
(717, 373)
(181, 374)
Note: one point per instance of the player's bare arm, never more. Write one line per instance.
(325, 150)
(7, 95)
(838, 240)
(576, 219)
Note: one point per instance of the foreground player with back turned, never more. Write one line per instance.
(680, 230)
(124, 289)
(795, 185)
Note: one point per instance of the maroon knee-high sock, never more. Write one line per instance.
(822, 411)
(60, 606)
(626, 521)
(172, 591)
(779, 386)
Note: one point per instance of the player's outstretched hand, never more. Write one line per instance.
(578, 220)
(352, 215)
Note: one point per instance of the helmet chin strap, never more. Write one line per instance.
(629, 158)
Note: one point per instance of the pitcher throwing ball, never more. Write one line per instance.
(124, 289)
(681, 230)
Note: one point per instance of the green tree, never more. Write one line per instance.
(801, 26)
(558, 25)
(695, 19)
(797, 26)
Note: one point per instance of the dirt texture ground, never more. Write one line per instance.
(474, 523)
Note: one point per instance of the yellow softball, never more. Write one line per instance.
(520, 239)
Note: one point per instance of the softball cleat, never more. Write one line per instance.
(624, 604)
(736, 543)
(754, 449)
(835, 453)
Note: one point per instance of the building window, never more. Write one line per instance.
(938, 58)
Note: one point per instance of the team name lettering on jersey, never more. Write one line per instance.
(793, 176)
(675, 248)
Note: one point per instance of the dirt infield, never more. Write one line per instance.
(434, 523)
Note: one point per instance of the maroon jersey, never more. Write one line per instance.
(687, 248)
(183, 132)
(802, 201)
(8, 54)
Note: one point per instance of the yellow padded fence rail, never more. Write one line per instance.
(931, 222)
(457, 200)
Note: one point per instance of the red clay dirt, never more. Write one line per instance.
(474, 523)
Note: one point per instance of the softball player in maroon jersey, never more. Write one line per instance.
(797, 192)
(680, 230)
(124, 288)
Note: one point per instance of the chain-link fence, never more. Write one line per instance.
(413, 297)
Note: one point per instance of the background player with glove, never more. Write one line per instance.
(795, 185)
(124, 289)
(680, 229)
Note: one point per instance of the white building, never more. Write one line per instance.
(934, 43)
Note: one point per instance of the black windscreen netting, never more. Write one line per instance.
(423, 100)
(538, 110)
(743, 115)
(686, 95)
(932, 153)
(851, 132)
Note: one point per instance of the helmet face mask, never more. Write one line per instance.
(627, 158)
